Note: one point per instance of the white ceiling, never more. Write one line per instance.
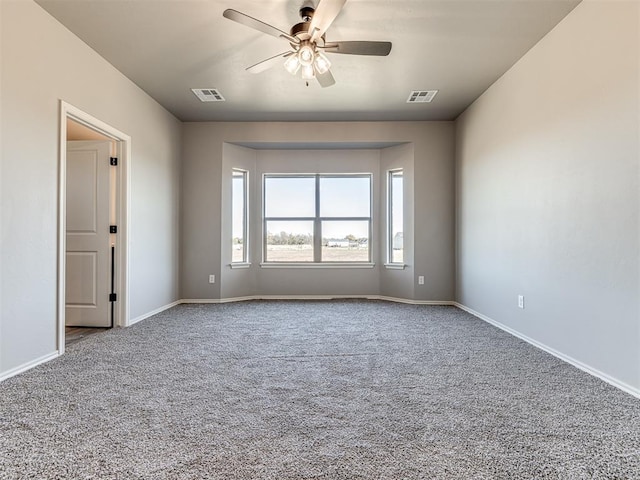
(167, 47)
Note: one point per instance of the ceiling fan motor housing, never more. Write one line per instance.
(301, 31)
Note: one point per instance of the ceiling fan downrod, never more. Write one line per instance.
(306, 13)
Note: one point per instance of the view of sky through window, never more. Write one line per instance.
(290, 197)
(345, 196)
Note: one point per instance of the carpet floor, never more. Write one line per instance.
(313, 390)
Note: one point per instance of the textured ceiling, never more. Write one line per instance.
(167, 47)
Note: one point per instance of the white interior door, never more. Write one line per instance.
(87, 237)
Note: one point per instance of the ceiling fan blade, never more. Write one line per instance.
(268, 63)
(326, 79)
(256, 24)
(359, 48)
(326, 12)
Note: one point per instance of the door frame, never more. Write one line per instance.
(123, 148)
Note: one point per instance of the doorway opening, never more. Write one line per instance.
(92, 225)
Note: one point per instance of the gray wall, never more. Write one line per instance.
(206, 178)
(43, 63)
(547, 192)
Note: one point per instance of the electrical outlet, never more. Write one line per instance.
(421, 280)
(520, 301)
(212, 279)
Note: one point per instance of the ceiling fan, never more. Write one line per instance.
(308, 43)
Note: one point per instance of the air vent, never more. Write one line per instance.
(208, 94)
(421, 96)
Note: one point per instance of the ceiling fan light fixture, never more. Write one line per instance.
(307, 72)
(306, 55)
(292, 64)
(322, 63)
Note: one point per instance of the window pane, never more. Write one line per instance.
(238, 217)
(345, 196)
(290, 196)
(289, 241)
(396, 253)
(345, 241)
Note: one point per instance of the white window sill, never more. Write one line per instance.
(317, 265)
(240, 265)
(394, 266)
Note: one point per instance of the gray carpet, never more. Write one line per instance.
(313, 390)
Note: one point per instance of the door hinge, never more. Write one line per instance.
(113, 161)
(113, 297)
(113, 229)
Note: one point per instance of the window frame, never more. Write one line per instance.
(317, 222)
(237, 172)
(390, 263)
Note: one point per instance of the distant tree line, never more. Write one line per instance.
(284, 238)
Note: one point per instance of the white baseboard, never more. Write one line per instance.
(566, 358)
(28, 366)
(414, 302)
(318, 297)
(153, 312)
(216, 300)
